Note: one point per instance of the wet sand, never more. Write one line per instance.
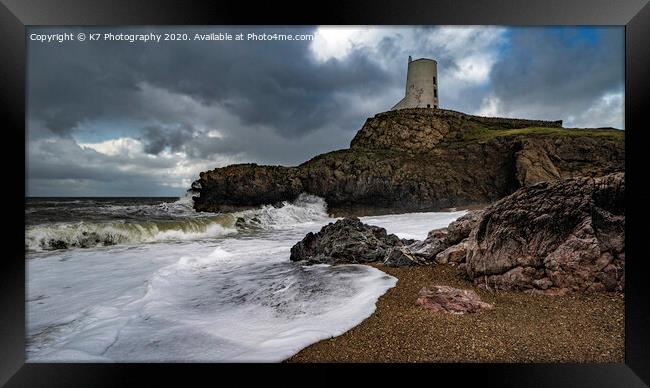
(522, 327)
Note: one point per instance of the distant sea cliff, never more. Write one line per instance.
(422, 159)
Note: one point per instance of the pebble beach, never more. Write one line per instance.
(522, 327)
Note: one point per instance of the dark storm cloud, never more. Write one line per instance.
(271, 83)
(157, 138)
(276, 85)
(558, 71)
(70, 83)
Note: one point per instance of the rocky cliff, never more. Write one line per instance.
(422, 159)
(422, 130)
(565, 235)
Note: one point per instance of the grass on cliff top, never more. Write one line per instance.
(484, 134)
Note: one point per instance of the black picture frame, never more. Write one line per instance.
(633, 14)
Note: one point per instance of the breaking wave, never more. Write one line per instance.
(305, 209)
(183, 224)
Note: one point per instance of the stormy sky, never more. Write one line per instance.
(115, 118)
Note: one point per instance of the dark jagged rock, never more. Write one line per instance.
(553, 237)
(422, 159)
(401, 256)
(347, 241)
(57, 244)
(244, 185)
(439, 240)
(451, 300)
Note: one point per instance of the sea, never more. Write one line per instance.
(151, 280)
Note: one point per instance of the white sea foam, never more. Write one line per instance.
(234, 297)
(413, 225)
(85, 235)
(240, 301)
(305, 209)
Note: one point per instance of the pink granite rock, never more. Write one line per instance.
(451, 300)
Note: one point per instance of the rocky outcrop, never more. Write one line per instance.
(441, 243)
(347, 241)
(423, 130)
(421, 159)
(247, 185)
(534, 164)
(553, 237)
(401, 256)
(451, 300)
(453, 254)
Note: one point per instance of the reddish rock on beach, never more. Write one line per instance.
(451, 300)
(553, 237)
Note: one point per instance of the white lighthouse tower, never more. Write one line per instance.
(421, 85)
